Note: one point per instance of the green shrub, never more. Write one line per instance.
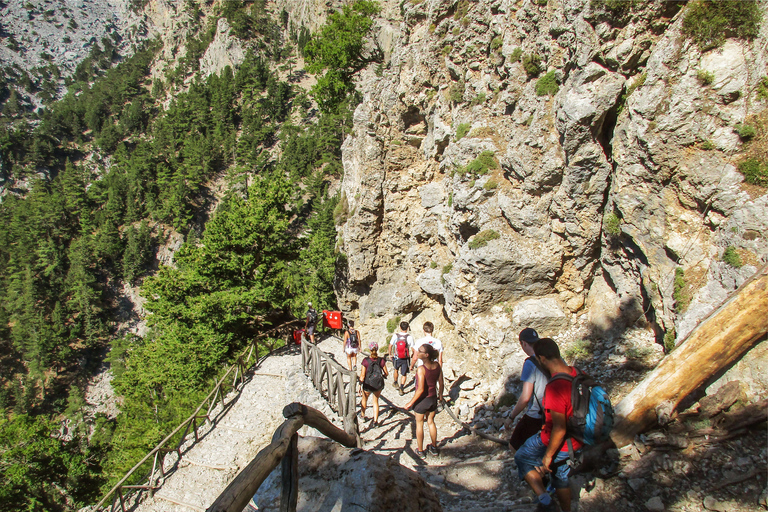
(482, 164)
(478, 100)
(762, 89)
(506, 400)
(612, 224)
(516, 54)
(669, 341)
(547, 85)
(450, 199)
(680, 294)
(447, 49)
(709, 22)
(433, 264)
(746, 131)
(447, 268)
(393, 323)
(432, 28)
(731, 257)
(705, 77)
(616, 7)
(532, 64)
(707, 145)
(491, 185)
(456, 31)
(581, 350)
(482, 238)
(497, 43)
(456, 93)
(462, 130)
(341, 211)
(755, 172)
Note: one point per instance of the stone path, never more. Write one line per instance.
(469, 474)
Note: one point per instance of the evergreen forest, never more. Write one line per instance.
(117, 169)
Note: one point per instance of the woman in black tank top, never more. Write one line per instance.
(429, 391)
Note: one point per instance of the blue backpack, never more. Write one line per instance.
(592, 419)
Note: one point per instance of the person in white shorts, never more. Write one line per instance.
(352, 345)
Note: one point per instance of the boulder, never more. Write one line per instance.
(545, 315)
(335, 478)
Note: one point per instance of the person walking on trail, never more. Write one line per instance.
(373, 371)
(401, 352)
(534, 379)
(546, 452)
(430, 340)
(351, 345)
(311, 322)
(429, 392)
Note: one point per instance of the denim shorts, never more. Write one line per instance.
(529, 456)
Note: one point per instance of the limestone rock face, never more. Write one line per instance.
(332, 477)
(224, 50)
(474, 197)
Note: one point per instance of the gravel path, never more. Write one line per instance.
(469, 474)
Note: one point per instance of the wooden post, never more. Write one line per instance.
(717, 342)
(290, 477)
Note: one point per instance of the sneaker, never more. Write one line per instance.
(432, 449)
(401, 391)
(552, 507)
(420, 453)
(395, 384)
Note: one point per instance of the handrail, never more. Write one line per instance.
(216, 395)
(283, 448)
(328, 377)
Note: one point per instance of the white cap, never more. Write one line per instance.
(309, 304)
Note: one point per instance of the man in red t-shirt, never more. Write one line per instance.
(546, 452)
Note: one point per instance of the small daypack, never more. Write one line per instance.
(312, 316)
(373, 375)
(401, 346)
(353, 338)
(592, 419)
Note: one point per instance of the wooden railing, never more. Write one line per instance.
(283, 449)
(236, 375)
(328, 376)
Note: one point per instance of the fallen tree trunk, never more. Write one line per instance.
(717, 342)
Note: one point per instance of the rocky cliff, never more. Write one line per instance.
(549, 164)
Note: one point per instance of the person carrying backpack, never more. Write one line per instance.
(429, 393)
(351, 345)
(547, 452)
(311, 322)
(534, 379)
(401, 351)
(372, 375)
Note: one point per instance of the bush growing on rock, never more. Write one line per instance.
(682, 298)
(705, 77)
(762, 89)
(484, 162)
(482, 238)
(497, 43)
(731, 257)
(532, 64)
(612, 224)
(710, 22)
(462, 130)
(516, 54)
(547, 85)
(755, 172)
(746, 131)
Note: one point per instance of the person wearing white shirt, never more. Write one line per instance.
(430, 340)
(401, 352)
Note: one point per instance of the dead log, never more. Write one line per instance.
(717, 342)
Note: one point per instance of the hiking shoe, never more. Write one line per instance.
(552, 507)
(420, 453)
(395, 384)
(432, 449)
(401, 391)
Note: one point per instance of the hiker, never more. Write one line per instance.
(351, 345)
(546, 452)
(429, 392)
(428, 328)
(372, 375)
(401, 352)
(534, 379)
(309, 326)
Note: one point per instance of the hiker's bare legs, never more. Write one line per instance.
(419, 431)
(363, 403)
(564, 497)
(432, 427)
(376, 406)
(533, 478)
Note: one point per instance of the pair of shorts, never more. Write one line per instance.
(425, 405)
(527, 426)
(369, 389)
(529, 456)
(351, 350)
(310, 330)
(403, 365)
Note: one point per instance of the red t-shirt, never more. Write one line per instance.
(557, 398)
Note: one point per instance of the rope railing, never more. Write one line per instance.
(282, 450)
(328, 377)
(235, 374)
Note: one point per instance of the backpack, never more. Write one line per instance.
(401, 346)
(353, 338)
(592, 419)
(373, 375)
(312, 316)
